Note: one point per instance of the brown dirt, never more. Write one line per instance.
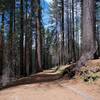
(60, 89)
(93, 63)
(56, 90)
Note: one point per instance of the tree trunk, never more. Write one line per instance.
(22, 69)
(10, 37)
(14, 48)
(1, 44)
(62, 33)
(73, 35)
(88, 33)
(26, 56)
(38, 28)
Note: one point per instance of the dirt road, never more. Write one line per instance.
(56, 90)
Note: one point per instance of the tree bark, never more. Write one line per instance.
(22, 69)
(88, 33)
(1, 44)
(62, 33)
(38, 28)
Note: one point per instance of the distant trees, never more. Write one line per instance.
(67, 28)
(98, 28)
(78, 33)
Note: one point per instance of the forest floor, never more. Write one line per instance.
(59, 89)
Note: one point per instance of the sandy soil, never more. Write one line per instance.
(56, 90)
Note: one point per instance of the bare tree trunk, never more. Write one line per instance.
(88, 33)
(73, 35)
(22, 68)
(10, 42)
(39, 55)
(26, 56)
(1, 44)
(30, 40)
(14, 48)
(62, 33)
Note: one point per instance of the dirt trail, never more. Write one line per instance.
(56, 90)
(31, 88)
